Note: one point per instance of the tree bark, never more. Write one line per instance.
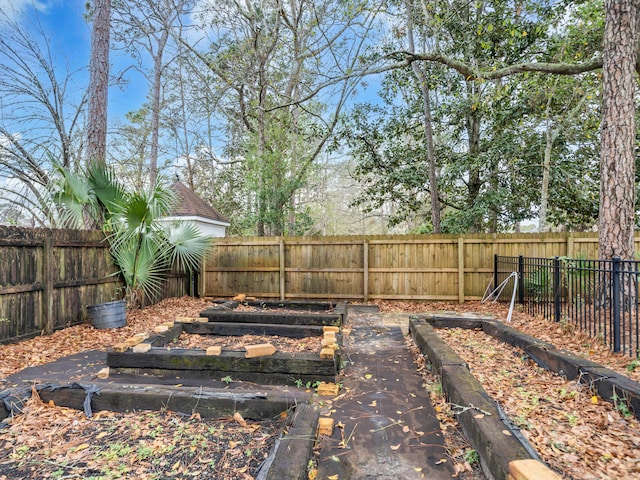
(428, 131)
(474, 184)
(156, 92)
(617, 164)
(98, 83)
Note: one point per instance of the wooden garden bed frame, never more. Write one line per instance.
(280, 368)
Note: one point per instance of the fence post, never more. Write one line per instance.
(365, 270)
(282, 271)
(201, 278)
(557, 306)
(520, 279)
(495, 271)
(48, 322)
(461, 270)
(615, 301)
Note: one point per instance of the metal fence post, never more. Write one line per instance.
(557, 300)
(520, 279)
(616, 296)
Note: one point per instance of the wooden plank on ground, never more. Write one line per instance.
(228, 361)
(238, 329)
(209, 403)
(281, 317)
(292, 451)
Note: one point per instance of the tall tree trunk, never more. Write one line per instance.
(617, 164)
(474, 184)
(98, 83)
(550, 136)
(155, 106)
(428, 131)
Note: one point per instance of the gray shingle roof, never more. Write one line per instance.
(189, 204)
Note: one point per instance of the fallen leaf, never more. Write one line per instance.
(441, 461)
(395, 447)
(238, 418)
(406, 429)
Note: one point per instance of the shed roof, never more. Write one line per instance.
(191, 205)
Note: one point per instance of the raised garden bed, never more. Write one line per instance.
(289, 313)
(498, 439)
(276, 369)
(605, 382)
(288, 455)
(279, 368)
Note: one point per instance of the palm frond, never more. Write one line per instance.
(188, 245)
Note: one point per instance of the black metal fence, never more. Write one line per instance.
(600, 297)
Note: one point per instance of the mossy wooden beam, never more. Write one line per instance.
(209, 403)
(237, 329)
(227, 361)
(274, 317)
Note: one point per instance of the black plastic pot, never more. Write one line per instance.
(108, 315)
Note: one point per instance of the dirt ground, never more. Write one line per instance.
(55, 442)
(578, 434)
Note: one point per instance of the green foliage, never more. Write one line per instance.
(635, 363)
(143, 247)
(538, 284)
(622, 406)
(471, 456)
(578, 277)
(490, 136)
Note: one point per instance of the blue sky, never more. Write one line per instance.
(69, 34)
(70, 37)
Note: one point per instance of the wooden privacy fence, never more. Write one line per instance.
(48, 277)
(399, 267)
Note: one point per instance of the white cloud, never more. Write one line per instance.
(12, 9)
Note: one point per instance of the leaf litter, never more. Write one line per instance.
(577, 434)
(47, 441)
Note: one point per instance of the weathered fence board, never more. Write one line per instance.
(401, 267)
(48, 277)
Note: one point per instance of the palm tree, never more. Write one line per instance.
(143, 248)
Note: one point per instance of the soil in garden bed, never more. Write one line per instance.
(285, 310)
(576, 433)
(55, 442)
(286, 306)
(282, 344)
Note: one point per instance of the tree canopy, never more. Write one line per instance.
(440, 115)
